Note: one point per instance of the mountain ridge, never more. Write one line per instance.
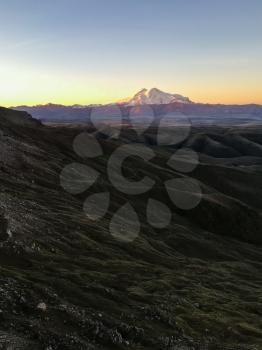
(67, 284)
(154, 96)
(161, 103)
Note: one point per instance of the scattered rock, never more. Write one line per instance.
(42, 307)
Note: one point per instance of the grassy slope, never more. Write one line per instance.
(196, 282)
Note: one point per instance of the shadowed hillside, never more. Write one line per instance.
(67, 284)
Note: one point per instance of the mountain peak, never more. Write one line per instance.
(155, 90)
(154, 96)
(144, 90)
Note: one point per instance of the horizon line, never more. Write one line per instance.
(123, 104)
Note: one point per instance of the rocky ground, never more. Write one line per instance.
(67, 284)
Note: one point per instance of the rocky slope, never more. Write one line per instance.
(67, 284)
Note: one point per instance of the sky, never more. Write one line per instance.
(99, 51)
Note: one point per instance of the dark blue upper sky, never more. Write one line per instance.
(98, 50)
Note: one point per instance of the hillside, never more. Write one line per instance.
(67, 284)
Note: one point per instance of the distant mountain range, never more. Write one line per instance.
(152, 96)
(160, 102)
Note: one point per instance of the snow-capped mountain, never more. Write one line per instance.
(162, 103)
(154, 96)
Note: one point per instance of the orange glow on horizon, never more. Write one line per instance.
(229, 97)
(21, 85)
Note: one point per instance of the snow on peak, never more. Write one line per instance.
(154, 96)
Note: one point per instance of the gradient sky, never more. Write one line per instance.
(91, 51)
